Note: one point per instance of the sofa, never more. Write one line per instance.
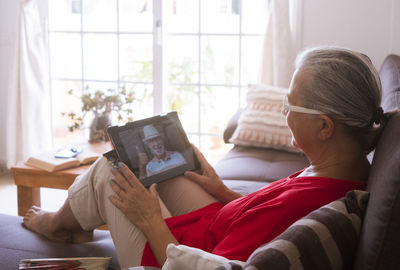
(245, 169)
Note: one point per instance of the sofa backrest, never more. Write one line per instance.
(390, 79)
(380, 236)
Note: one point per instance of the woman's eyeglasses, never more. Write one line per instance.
(286, 108)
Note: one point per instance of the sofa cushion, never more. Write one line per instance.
(16, 243)
(324, 239)
(380, 238)
(262, 124)
(180, 257)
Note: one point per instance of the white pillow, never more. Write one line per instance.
(184, 257)
(262, 124)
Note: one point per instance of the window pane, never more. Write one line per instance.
(63, 103)
(251, 59)
(182, 59)
(243, 96)
(100, 56)
(220, 60)
(65, 55)
(65, 15)
(254, 16)
(214, 148)
(185, 100)
(142, 105)
(182, 16)
(218, 104)
(91, 88)
(195, 139)
(220, 16)
(99, 15)
(136, 15)
(136, 56)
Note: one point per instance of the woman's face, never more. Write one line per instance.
(301, 125)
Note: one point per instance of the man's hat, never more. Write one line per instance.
(150, 132)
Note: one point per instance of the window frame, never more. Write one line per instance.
(159, 82)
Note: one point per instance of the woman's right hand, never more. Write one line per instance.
(210, 181)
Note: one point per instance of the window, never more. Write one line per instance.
(193, 56)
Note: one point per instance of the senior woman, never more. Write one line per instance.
(334, 114)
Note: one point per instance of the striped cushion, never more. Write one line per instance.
(262, 124)
(325, 239)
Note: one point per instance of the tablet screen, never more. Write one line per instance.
(155, 149)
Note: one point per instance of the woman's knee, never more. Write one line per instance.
(181, 195)
(96, 178)
(102, 175)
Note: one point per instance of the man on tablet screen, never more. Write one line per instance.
(162, 159)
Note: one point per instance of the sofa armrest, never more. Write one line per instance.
(232, 125)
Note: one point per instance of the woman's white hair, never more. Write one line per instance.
(345, 85)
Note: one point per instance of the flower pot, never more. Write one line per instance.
(98, 128)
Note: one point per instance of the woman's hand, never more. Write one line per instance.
(140, 205)
(210, 181)
(142, 208)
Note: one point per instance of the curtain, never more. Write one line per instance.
(279, 50)
(28, 121)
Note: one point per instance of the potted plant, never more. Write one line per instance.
(101, 104)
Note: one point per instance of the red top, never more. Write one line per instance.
(236, 229)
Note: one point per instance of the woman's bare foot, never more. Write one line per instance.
(43, 222)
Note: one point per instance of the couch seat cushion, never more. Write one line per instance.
(17, 242)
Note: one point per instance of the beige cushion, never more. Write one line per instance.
(184, 257)
(262, 124)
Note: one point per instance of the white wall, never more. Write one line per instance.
(8, 45)
(369, 26)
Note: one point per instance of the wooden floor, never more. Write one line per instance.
(51, 199)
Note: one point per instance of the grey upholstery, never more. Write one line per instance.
(259, 164)
(380, 238)
(390, 79)
(18, 243)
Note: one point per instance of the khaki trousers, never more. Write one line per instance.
(88, 198)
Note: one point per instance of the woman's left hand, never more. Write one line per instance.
(210, 181)
(140, 205)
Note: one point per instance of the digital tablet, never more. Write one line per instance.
(155, 149)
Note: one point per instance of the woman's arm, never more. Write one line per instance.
(141, 207)
(209, 180)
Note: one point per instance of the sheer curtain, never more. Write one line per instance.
(28, 122)
(280, 44)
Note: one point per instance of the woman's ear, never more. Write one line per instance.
(326, 127)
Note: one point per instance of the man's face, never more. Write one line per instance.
(156, 146)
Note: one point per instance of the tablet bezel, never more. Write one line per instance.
(136, 127)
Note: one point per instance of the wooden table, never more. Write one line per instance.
(29, 180)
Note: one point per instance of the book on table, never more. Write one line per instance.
(66, 263)
(48, 162)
